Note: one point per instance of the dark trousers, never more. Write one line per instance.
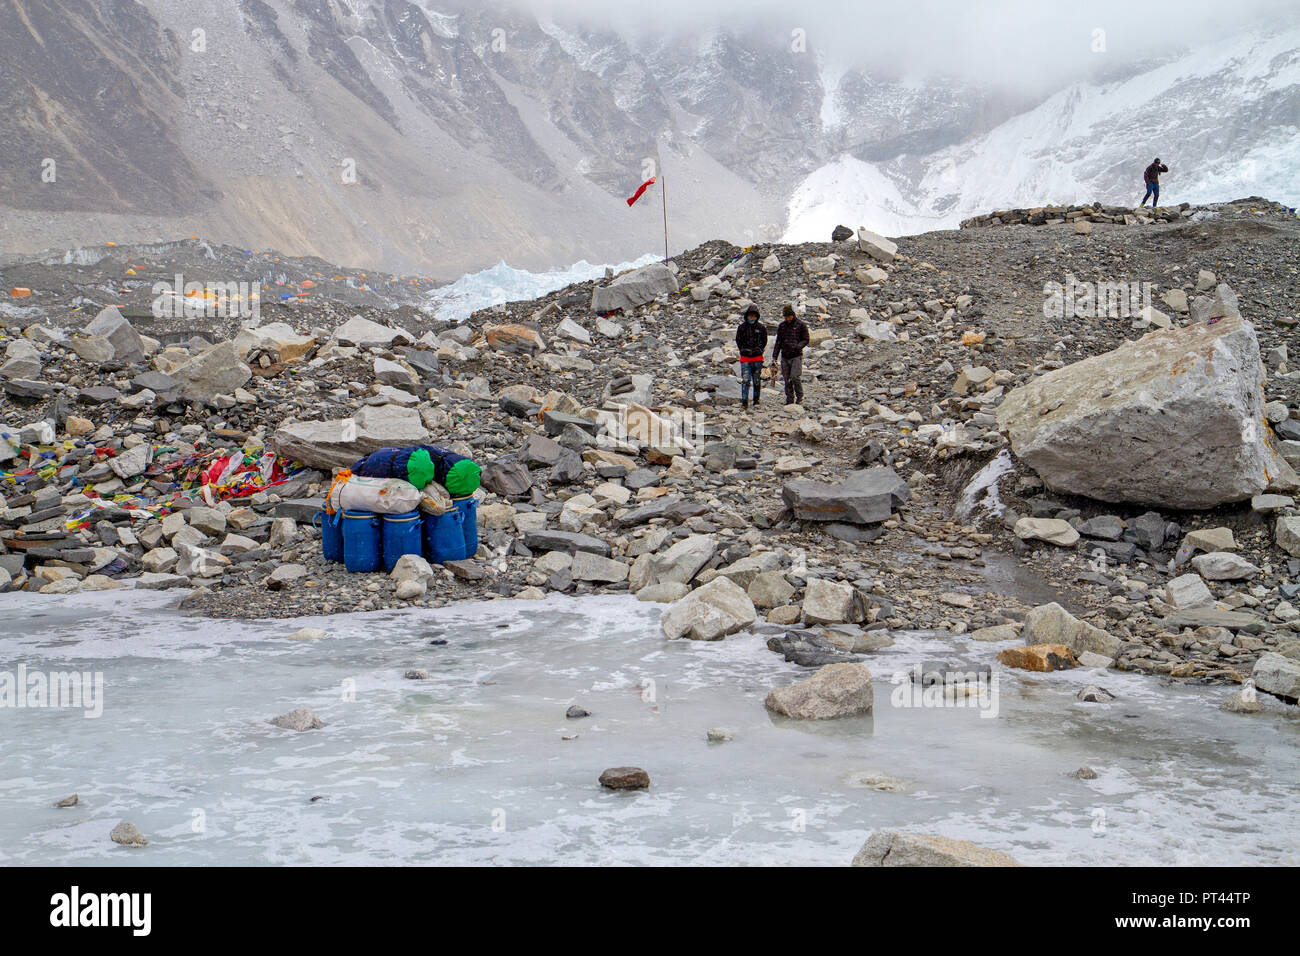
(791, 371)
(1153, 193)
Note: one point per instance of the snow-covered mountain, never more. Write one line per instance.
(1225, 119)
(441, 136)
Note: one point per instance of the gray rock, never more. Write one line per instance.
(769, 589)
(625, 778)
(634, 288)
(683, 560)
(1287, 535)
(835, 691)
(1053, 624)
(111, 325)
(665, 593)
(338, 444)
(507, 478)
(1191, 393)
(1277, 675)
(864, 497)
(1188, 590)
(1243, 702)
(131, 462)
(709, 613)
(893, 848)
(570, 542)
(367, 334)
(1092, 694)
(593, 567)
(829, 602)
(1213, 617)
(217, 371)
(298, 720)
(127, 834)
(1224, 566)
(876, 246)
(1106, 527)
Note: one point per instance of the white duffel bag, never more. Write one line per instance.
(385, 496)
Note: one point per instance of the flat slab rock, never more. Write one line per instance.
(864, 497)
(1213, 617)
(893, 848)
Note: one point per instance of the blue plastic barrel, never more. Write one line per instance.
(361, 541)
(330, 527)
(468, 507)
(401, 536)
(445, 536)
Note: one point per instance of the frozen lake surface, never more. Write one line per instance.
(472, 766)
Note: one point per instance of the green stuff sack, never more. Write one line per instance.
(419, 468)
(462, 478)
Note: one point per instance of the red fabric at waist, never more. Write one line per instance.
(751, 358)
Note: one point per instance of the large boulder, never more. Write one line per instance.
(216, 371)
(338, 444)
(837, 690)
(1053, 624)
(112, 325)
(864, 497)
(1174, 419)
(709, 613)
(892, 848)
(635, 288)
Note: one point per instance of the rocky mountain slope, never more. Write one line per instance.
(617, 456)
(440, 137)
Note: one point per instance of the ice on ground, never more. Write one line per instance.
(479, 765)
(503, 283)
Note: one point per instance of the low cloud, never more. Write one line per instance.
(1026, 45)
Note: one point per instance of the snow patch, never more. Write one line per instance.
(981, 493)
(503, 283)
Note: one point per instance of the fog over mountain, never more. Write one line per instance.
(441, 136)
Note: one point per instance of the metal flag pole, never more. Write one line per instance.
(664, 191)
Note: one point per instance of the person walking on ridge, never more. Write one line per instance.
(1152, 178)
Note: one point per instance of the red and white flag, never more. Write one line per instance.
(641, 189)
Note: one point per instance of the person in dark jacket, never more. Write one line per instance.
(421, 464)
(787, 351)
(751, 339)
(1152, 178)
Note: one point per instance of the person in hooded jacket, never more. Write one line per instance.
(751, 339)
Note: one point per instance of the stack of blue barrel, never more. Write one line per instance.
(366, 541)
